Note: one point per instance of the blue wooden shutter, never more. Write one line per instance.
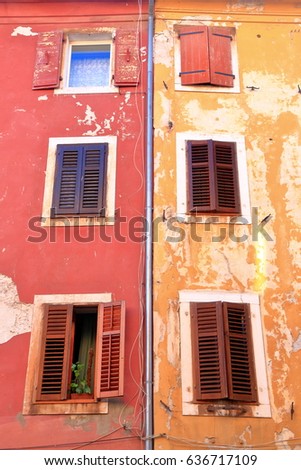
(194, 55)
(47, 67)
(80, 177)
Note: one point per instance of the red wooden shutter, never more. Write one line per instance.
(209, 366)
(221, 73)
(54, 372)
(226, 178)
(48, 60)
(194, 55)
(110, 350)
(127, 61)
(92, 198)
(239, 351)
(66, 191)
(201, 185)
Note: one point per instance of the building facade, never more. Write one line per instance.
(73, 101)
(227, 225)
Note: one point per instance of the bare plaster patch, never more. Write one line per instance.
(282, 438)
(23, 31)
(15, 317)
(43, 98)
(297, 343)
(159, 335)
(90, 120)
(163, 48)
(173, 350)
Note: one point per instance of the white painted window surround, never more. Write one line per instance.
(85, 39)
(110, 181)
(205, 88)
(182, 183)
(35, 348)
(186, 297)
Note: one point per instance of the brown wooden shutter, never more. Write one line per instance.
(54, 371)
(201, 184)
(221, 73)
(226, 178)
(127, 60)
(209, 366)
(48, 60)
(110, 350)
(194, 55)
(239, 351)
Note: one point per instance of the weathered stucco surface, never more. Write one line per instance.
(266, 112)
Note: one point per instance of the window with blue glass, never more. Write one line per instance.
(90, 65)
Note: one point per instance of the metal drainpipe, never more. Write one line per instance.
(149, 240)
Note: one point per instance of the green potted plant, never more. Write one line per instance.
(79, 384)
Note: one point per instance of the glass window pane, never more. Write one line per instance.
(90, 65)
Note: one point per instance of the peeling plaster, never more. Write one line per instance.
(282, 437)
(15, 317)
(173, 333)
(23, 31)
(159, 336)
(43, 98)
(243, 440)
(89, 120)
(297, 343)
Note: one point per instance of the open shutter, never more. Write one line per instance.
(92, 198)
(54, 373)
(110, 350)
(201, 185)
(194, 55)
(209, 366)
(48, 60)
(127, 62)
(66, 190)
(226, 178)
(221, 73)
(239, 352)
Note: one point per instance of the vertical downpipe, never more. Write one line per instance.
(149, 240)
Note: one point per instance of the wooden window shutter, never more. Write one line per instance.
(48, 60)
(92, 197)
(221, 73)
(239, 352)
(110, 350)
(201, 184)
(80, 177)
(66, 192)
(209, 366)
(194, 55)
(54, 371)
(226, 178)
(127, 61)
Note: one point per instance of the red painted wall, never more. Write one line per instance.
(55, 266)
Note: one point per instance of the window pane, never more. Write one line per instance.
(90, 65)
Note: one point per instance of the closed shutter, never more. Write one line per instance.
(209, 366)
(110, 350)
(48, 60)
(54, 375)
(79, 186)
(226, 178)
(239, 351)
(127, 61)
(220, 56)
(194, 55)
(201, 185)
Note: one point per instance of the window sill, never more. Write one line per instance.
(215, 219)
(242, 410)
(63, 221)
(206, 88)
(85, 90)
(67, 407)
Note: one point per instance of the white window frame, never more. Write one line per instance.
(110, 181)
(183, 214)
(30, 407)
(260, 410)
(85, 39)
(202, 87)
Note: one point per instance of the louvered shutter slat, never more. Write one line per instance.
(127, 61)
(226, 179)
(239, 351)
(221, 73)
(210, 380)
(201, 195)
(194, 55)
(48, 60)
(92, 198)
(55, 359)
(110, 353)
